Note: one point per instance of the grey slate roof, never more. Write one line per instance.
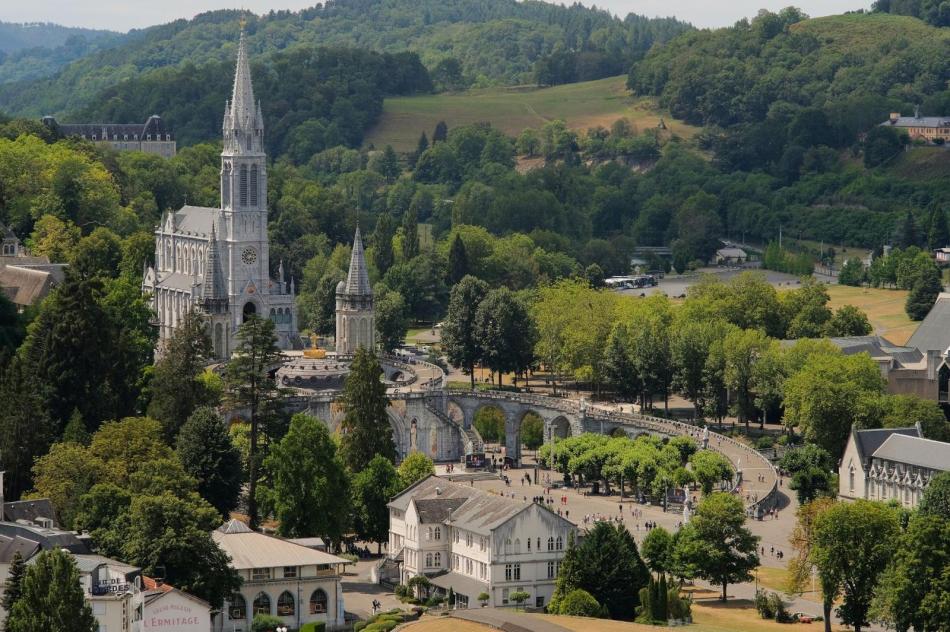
(934, 455)
(461, 584)
(9, 546)
(28, 510)
(46, 538)
(868, 441)
(25, 286)
(437, 510)
(933, 334)
(477, 510)
(108, 131)
(876, 347)
(921, 121)
(357, 279)
(197, 220)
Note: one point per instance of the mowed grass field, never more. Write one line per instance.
(512, 109)
(885, 309)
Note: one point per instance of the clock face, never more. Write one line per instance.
(249, 256)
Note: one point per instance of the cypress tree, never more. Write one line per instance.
(458, 260)
(410, 234)
(366, 430)
(383, 243)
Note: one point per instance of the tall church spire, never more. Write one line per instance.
(212, 285)
(243, 105)
(357, 280)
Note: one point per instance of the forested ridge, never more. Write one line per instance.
(31, 51)
(471, 42)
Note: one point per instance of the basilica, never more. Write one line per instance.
(216, 260)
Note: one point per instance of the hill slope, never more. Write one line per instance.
(15, 37)
(580, 105)
(493, 42)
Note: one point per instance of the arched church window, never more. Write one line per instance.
(254, 185)
(243, 185)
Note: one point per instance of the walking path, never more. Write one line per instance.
(507, 620)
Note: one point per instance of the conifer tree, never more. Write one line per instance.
(366, 429)
(176, 389)
(248, 386)
(75, 431)
(458, 260)
(938, 236)
(51, 598)
(14, 583)
(410, 236)
(441, 132)
(460, 338)
(382, 252)
(207, 453)
(389, 164)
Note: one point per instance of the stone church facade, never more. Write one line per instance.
(217, 260)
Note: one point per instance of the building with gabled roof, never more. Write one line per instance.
(474, 542)
(295, 583)
(890, 464)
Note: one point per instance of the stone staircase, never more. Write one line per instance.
(470, 437)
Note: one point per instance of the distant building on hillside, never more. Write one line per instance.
(890, 464)
(153, 137)
(731, 256)
(929, 128)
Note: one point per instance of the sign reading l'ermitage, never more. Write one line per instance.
(175, 613)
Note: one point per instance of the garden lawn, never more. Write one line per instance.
(885, 309)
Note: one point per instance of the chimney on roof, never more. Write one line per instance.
(895, 116)
(438, 491)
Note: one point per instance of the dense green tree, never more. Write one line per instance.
(924, 293)
(715, 545)
(810, 468)
(936, 498)
(505, 333)
(848, 320)
(620, 370)
(51, 597)
(914, 589)
(657, 549)
(80, 357)
(579, 603)
(461, 339)
(175, 388)
(308, 488)
(365, 426)
(388, 164)
(11, 326)
(532, 431)
(852, 545)
(208, 454)
(742, 350)
(372, 490)
(392, 319)
(441, 132)
(822, 399)
(852, 273)
(25, 424)
(249, 387)
(710, 469)
(415, 467)
(607, 565)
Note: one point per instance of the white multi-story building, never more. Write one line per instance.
(293, 582)
(476, 542)
(890, 464)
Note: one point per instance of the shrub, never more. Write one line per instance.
(401, 591)
(579, 603)
(763, 605)
(434, 601)
(678, 606)
(265, 623)
(777, 606)
(359, 625)
(350, 557)
(315, 626)
(484, 597)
